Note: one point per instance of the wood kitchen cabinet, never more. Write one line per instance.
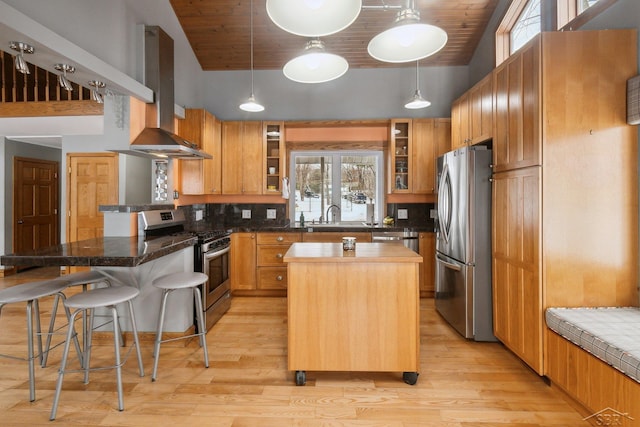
(472, 115)
(430, 139)
(242, 157)
(400, 152)
(565, 190)
(201, 176)
(272, 272)
(427, 248)
(415, 146)
(242, 270)
(517, 139)
(274, 157)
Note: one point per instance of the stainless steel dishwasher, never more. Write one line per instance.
(407, 238)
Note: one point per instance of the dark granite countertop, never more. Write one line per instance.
(134, 208)
(104, 251)
(315, 228)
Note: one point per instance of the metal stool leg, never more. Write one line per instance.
(156, 347)
(201, 326)
(63, 365)
(30, 356)
(116, 348)
(52, 321)
(88, 342)
(135, 338)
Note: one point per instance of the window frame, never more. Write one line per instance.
(564, 17)
(336, 177)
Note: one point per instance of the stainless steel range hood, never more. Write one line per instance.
(158, 139)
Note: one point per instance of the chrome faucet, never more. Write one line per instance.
(333, 214)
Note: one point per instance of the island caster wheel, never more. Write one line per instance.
(410, 378)
(301, 377)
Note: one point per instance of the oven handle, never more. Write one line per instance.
(216, 253)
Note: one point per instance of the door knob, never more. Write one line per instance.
(20, 221)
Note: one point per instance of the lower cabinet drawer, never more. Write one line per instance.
(272, 277)
(271, 255)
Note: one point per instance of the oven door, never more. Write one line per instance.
(216, 267)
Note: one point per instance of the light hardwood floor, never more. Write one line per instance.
(461, 383)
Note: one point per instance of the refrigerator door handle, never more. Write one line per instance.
(444, 203)
(448, 264)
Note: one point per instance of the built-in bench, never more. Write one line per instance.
(593, 354)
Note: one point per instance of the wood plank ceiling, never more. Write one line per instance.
(219, 33)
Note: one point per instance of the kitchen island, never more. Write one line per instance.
(353, 310)
(128, 261)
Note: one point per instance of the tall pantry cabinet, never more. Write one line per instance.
(565, 191)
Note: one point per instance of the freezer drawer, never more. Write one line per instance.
(454, 294)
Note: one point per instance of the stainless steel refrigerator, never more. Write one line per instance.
(463, 242)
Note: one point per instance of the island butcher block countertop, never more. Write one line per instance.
(365, 252)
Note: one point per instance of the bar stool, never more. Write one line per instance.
(31, 293)
(168, 284)
(99, 298)
(84, 279)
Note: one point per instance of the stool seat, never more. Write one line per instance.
(85, 277)
(187, 279)
(102, 297)
(32, 291)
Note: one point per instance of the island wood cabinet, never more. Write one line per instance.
(272, 272)
(353, 310)
(201, 176)
(565, 190)
(415, 145)
(242, 157)
(472, 115)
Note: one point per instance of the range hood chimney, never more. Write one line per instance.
(158, 139)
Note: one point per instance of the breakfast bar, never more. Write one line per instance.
(353, 310)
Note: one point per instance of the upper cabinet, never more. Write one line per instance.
(274, 154)
(430, 139)
(400, 153)
(201, 176)
(472, 115)
(517, 137)
(242, 157)
(414, 147)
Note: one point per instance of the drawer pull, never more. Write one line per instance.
(279, 278)
(279, 256)
(280, 239)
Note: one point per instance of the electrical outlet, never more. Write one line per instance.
(433, 213)
(403, 214)
(199, 215)
(271, 214)
(246, 213)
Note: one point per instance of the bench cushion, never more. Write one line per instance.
(612, 334)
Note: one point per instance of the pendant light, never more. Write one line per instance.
(315, 65)
(19, 62)
(251, 105)
(313, 18)
(408, 39)
(62, 77)
(417, 101)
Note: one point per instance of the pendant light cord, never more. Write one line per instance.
(417, 79)
(251, 25)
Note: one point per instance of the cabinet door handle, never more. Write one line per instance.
(279, 278)
(280, 238)
(279, 256)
